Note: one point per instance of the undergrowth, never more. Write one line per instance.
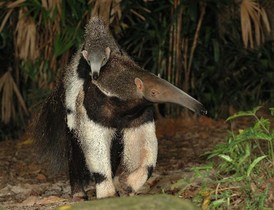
(239, 174)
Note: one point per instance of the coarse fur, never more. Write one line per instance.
(94, 52)
(99, 119)
(74, 77)
(112, 122)
(139, 83)
(98, 45)
(118, 102)
(50, 117)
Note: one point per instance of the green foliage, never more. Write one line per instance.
(239, 177)
(248, 147)
(65, 40)
(229, 75)
(145, 36)
(243, 159)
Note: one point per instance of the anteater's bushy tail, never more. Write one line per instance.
(48, 130)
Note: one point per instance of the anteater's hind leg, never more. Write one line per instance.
(140, 154)
(116, 151)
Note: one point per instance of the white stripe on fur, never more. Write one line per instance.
(73, 84)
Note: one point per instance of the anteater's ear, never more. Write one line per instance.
(85, 54)
(139, 84)
(107, 51)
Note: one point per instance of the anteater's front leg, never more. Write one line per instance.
(78, 173)
(96, 143)
(140, 154)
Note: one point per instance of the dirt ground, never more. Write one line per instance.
(25, 183)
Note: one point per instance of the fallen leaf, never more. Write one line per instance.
(41, 177)
(50, 199)
(30, 201)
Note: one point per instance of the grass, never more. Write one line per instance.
(239, 173)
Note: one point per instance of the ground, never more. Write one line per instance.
(25, 184)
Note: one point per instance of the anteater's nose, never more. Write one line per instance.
(95, 75)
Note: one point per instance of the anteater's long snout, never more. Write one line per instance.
(158, 90)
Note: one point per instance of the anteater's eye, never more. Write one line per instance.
(153, 92)
(104, 61)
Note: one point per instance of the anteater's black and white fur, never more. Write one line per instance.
(106, 130)
(94, 125)
(97, 46)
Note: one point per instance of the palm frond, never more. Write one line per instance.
(253, 16)
(5, 20)
(26, 45)
(10, 92)
(14, 4)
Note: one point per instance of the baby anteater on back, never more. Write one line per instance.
(99, 43)
(91, 56)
